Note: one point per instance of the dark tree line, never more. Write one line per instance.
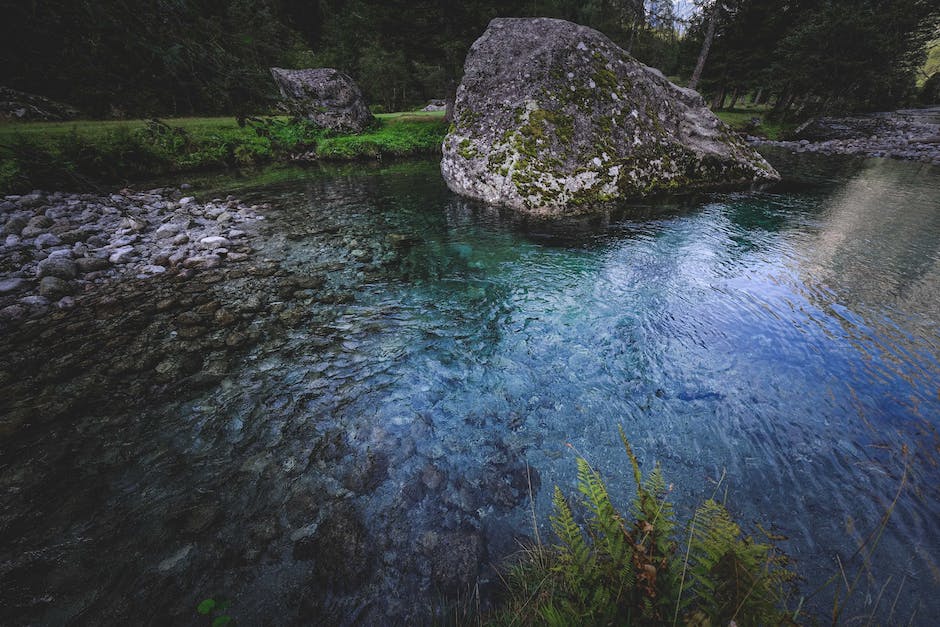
(176, 57)
(811, 56)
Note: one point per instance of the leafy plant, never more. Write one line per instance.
(607, 569)
(214, 610)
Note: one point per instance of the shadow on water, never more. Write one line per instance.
(353, 438)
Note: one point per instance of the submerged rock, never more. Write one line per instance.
(554, 118)
(325, 96)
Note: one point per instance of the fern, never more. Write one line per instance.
(573, 546)
(611, 571)
(606, 525)
(733, 577)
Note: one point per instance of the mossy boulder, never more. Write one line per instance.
(553, 118)
(325, 96)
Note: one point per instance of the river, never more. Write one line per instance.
(356, 438)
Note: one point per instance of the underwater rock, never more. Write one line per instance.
(552, 118)
(455, 559)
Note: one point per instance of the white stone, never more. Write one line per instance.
(214, 241)
(122, 255)
(166, 231)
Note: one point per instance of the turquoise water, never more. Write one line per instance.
(778, 348)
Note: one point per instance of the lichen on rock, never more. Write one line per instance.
(325, 96)
(553, 118)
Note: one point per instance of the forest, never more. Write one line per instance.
(211, 56)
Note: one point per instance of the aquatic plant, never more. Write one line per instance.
(215, 611)
(608, 568)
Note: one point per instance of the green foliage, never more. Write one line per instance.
(81, 155)
(742, 119)
(394, 138)
(215, 610)
(119, 57)
(606, 570)
(732, 577)
(816, 57)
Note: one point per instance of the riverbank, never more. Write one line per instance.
(59, 246)
(909, 134)
(93, 155)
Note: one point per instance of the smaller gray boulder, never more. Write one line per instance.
(325, 96)
(21, 106)
(58, 266)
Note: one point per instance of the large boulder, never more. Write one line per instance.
(553, 118)
(325, 96)
(19, 105)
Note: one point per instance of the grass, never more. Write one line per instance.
(740, 118)
(88, 153)
(84, 154)
(198, 127)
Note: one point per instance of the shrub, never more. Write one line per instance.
(612, 569)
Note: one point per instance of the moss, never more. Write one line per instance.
(466, 117)
(654, 121)
(466, 150)
(607, 80)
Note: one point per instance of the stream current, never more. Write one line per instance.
(397, 370)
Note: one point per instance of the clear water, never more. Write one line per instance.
(778, 348)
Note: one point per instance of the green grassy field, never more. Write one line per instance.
(740, 118)
(88, 152)
(199, 128)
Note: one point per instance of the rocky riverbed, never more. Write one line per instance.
(911, 134)
(58, 247)
(133, 352)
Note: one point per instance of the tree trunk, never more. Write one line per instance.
(783, 101)
(735, 95)
(718, 102)
(706, 46)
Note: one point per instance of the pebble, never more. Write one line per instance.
(204, 262)
(53, 287)
(91, 264)
(122, 254)
(902, 137)
(57, 266)
(166, 231)
(10, 285)
(215, 242)
(46, 240)
(74, 242)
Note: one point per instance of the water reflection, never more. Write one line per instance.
(417, 363)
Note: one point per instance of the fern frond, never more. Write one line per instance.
(733, 577)
(606, 524)
(637, 475)
(573, 544)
